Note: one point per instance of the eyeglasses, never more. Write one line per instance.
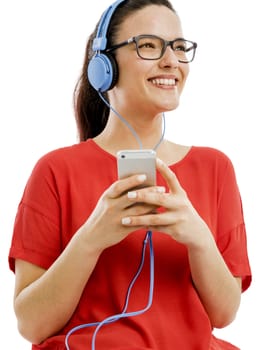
(152, 47)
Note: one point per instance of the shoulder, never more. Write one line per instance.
(66, 152)
(205, 162)
(209, 154)
(80, 162)
(211, 163)
(65, 156)
(62, 163)
(180, 154)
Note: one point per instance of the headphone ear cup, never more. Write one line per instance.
(115, 70)
(102, 72)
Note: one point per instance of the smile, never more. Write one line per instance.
(168, 82)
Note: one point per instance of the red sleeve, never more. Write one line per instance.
(231, 230)
(36, 235)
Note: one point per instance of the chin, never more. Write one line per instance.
(171, 106)
(171, 103)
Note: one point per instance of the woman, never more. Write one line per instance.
(77, 240)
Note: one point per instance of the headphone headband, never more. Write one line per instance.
(100, 41)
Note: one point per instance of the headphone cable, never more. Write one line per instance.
(124, 313)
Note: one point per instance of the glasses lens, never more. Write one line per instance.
(149, 47)
(184, 50)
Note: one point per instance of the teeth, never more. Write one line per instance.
(163, 81)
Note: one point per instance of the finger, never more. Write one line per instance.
(154, 189)
(129, 199)
(139, 209)
(158, 199)
(169, 176)
(149, 220)
(119, 187)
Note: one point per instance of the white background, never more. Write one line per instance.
(223, 106)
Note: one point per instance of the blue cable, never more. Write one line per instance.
(124, 313)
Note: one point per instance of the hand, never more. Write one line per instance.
(104, 227)
(180, 219)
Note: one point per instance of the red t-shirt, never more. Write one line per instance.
(60, 195)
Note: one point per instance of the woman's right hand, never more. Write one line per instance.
(37, 291)
(104, 226)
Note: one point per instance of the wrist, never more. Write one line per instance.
(87, 242)
(204, 242)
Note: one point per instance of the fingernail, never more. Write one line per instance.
(132, 194)
(159, 161)
(125, 221)
(161, 189)
(141, 178)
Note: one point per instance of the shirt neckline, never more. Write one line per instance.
(112, 157)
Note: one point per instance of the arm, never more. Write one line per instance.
(218, 289)
(53, 294)
(45, 299)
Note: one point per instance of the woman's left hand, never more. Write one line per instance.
(180, 219)
(219, 291)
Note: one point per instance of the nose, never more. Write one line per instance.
(169, 59)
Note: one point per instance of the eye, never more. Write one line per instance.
(180, 46)
(147, 44)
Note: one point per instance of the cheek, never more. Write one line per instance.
(184, 75)
(185, 72)
(132, 70)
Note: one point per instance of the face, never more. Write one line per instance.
(152, 85)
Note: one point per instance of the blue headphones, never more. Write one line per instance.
(102, 70)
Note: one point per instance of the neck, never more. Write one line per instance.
(130, 132)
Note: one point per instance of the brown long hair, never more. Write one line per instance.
(91, 113)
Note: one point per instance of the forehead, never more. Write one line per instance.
(152, 19)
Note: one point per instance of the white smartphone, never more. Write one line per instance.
(141, 161)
